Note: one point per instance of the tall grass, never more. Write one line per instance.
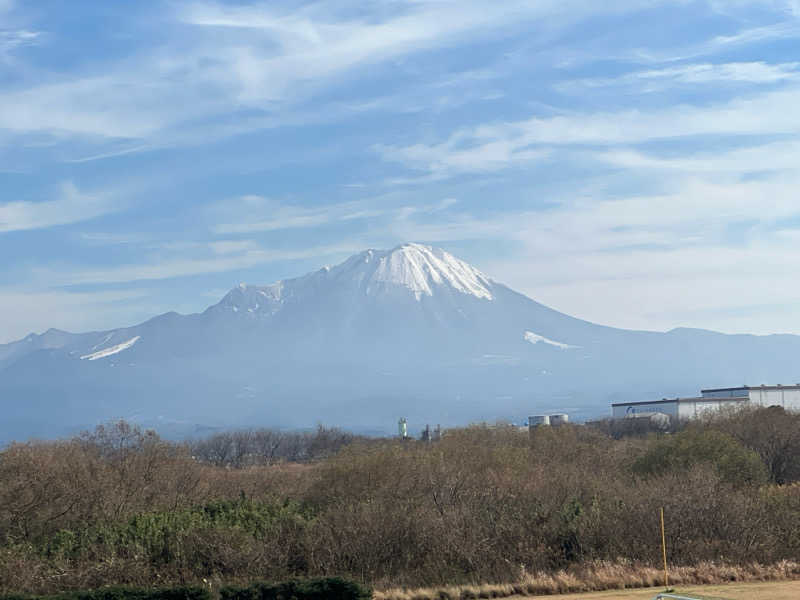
(600, 576)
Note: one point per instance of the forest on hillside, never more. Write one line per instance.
(119, 505)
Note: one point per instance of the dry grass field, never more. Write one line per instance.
(769, 590)
(781, 580)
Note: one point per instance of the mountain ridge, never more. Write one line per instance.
(409, 331)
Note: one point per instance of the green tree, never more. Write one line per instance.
(732, 461)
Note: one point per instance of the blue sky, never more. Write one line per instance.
(634, 163)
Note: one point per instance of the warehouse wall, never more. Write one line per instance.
(668, 408)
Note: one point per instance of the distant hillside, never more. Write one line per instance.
(412, 331)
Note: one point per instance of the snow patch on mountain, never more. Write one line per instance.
(105, 340)
(112, 350)
(535, 338)
(421, 268)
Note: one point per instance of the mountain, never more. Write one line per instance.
(411, 332)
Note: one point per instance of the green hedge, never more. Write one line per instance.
(123, 593)
(331, 588)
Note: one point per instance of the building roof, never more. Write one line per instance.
(747, 388)
(681, 400)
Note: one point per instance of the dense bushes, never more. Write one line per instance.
(484, 504)
(124, 593)
(773, 433)
(197, 539)
(331, 588)
(696, 446)
(251, 447)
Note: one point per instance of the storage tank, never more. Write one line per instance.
(538, 421)
(560, 419)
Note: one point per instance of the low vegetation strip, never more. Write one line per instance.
(123, 593)
(600, 577)
(482, 505)
(331, 588)
(328, 588)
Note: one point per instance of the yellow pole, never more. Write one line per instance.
(664, 550)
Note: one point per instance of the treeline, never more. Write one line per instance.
(251, 447)
(485, 504)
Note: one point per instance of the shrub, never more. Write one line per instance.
(681, 452)
(123, 593)
(330, 588)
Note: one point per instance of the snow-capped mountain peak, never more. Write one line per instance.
(420, 269)
(410, 268)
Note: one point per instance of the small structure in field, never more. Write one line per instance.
(402, 428)
(556, 420)
(710, 400)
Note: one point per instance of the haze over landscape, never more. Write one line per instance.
(632, 166)
(412, 331)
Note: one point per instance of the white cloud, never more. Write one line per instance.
(126, 105)
(314, 45)
(451, 157)
(494, 146)
(750, 72)
(12, 39)
(256, 213)
(70, 206)
(220, 260)
(233, 246)
(775, 156)
(252, 213)
(653, 80)
(102, 238)
(25, 311)
(275, 60)
(151, 94)
(726, 6)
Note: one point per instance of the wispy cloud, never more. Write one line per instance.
(12, 39)
(27, 310)
(70, 205)
(495, 146)
(314, 44)
(766, 157)
(609, 186)
(653, 80)
(233, 246)
(276, 60)
(221, 258)
(644, 258)
(256, 214)
(458, 155)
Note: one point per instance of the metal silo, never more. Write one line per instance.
(538, 421)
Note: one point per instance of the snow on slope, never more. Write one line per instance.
(420, 268)
(412, 268)
(535, 338)
(112, 350)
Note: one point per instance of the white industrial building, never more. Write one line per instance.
(786, 396)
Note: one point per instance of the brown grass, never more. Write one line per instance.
(598, 577)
